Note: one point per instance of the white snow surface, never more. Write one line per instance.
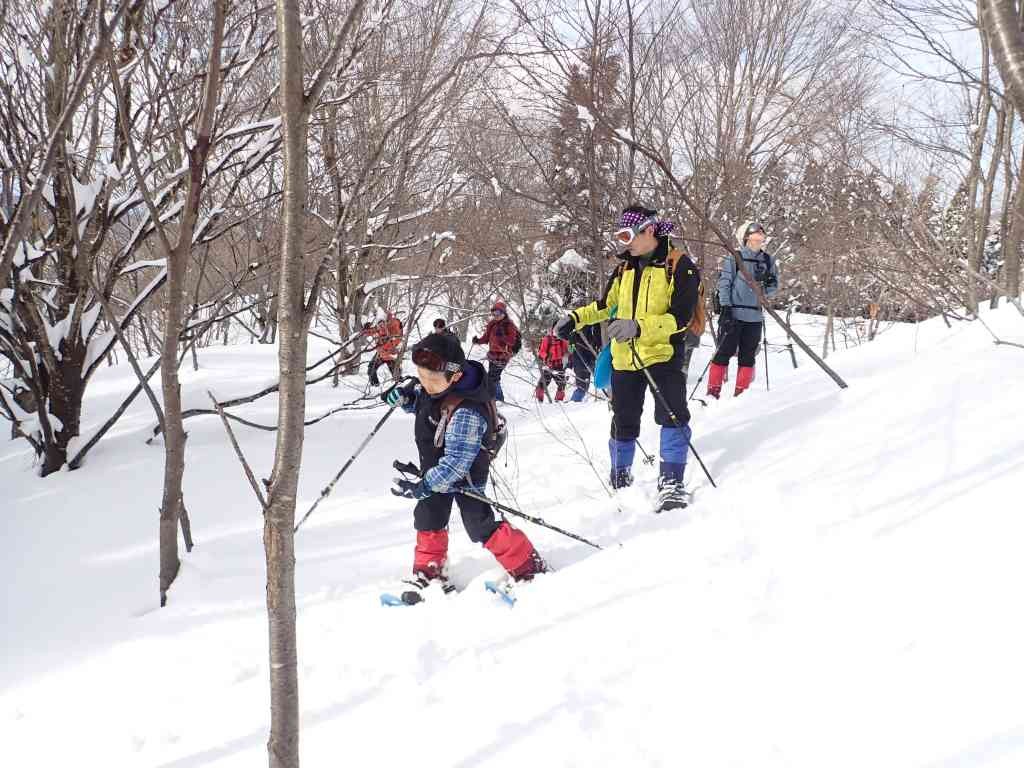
(848, 596)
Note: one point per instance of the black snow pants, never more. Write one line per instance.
(629, 388)
(741, 336)
(433, 513)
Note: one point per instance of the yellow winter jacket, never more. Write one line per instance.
(661, 294)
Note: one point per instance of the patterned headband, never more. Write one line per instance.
(632, 218)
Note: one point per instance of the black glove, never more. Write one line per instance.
(406, 467)
(565, 327)
(726, 319)
(401, 394)
(476, 339)
(410, 489)
(517, 346)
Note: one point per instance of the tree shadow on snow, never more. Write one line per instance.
(253, 738)
(744, 440)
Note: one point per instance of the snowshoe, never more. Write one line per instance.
(503, 589)
(671, 495)
(413, 589)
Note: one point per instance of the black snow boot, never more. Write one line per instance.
(621, 477)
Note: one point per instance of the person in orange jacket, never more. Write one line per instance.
(552, 354)
(387, 336)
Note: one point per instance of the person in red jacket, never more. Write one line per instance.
(387, 337)
(503, 341)
(552, 354)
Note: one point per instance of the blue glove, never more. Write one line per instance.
(411, 489)
(623, 330)
(401, 395)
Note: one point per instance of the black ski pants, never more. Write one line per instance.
(690, 342)
(494, 370)
(582, 365)
(394, 366)
(433, 513)
(628, 392)
(741, 336)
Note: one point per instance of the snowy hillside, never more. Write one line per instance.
(848, 596)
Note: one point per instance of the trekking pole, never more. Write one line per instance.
(530, 518)
(330, 487)
(648, 458)
(721, 338)
(699, 380)
(664, 402)
(411, 469)
(764, 334)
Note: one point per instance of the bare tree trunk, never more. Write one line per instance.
(1011, 249)
(875, 314)
(1001, 23)
(989, 183)
(270, 328)
(1007, 201)
(172, 505)
(975, 225)
(144, 333)
(330, 142)
(279, 518)
(829, 322)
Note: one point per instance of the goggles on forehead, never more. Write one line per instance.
(755, 228)
(429, 359)
(627, 235)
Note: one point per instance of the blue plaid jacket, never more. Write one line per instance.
(463, 441)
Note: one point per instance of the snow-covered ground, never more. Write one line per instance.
(850, 595)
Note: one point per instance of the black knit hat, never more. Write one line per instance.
(439, 352)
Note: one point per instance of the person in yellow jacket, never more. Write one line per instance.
(651, 299)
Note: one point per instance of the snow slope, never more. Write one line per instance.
(848, 596)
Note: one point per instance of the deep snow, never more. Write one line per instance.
(849, 596)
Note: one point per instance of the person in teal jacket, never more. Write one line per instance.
(741, 315)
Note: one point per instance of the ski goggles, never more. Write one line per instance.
(627, 235)
(754, 228)
(429, 359)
